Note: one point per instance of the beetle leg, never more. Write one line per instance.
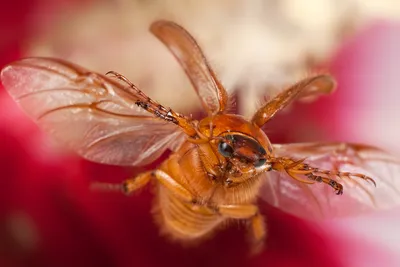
(258, 233)
(128, 186)
(133, 184)
(176, 188)
(317, 178)
(294, 168)
(251, 212)
(346, 174)
(240, 211)
(335, 185)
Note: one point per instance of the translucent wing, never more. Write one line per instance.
(189, 55)
(318, 201)
(93, 114)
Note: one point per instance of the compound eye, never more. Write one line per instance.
(225, 149)
(259, 163)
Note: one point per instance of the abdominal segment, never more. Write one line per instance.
(184, 221)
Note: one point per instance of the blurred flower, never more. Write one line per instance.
(48, 217)
(255, 46)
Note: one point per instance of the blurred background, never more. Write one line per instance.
(48, 217)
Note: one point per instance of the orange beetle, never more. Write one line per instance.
(219, 165)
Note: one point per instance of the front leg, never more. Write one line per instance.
(296, 168)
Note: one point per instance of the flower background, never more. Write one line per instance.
(48, 217)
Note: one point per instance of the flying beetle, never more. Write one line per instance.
(220, 165)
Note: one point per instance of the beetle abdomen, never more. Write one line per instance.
(184, 221)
